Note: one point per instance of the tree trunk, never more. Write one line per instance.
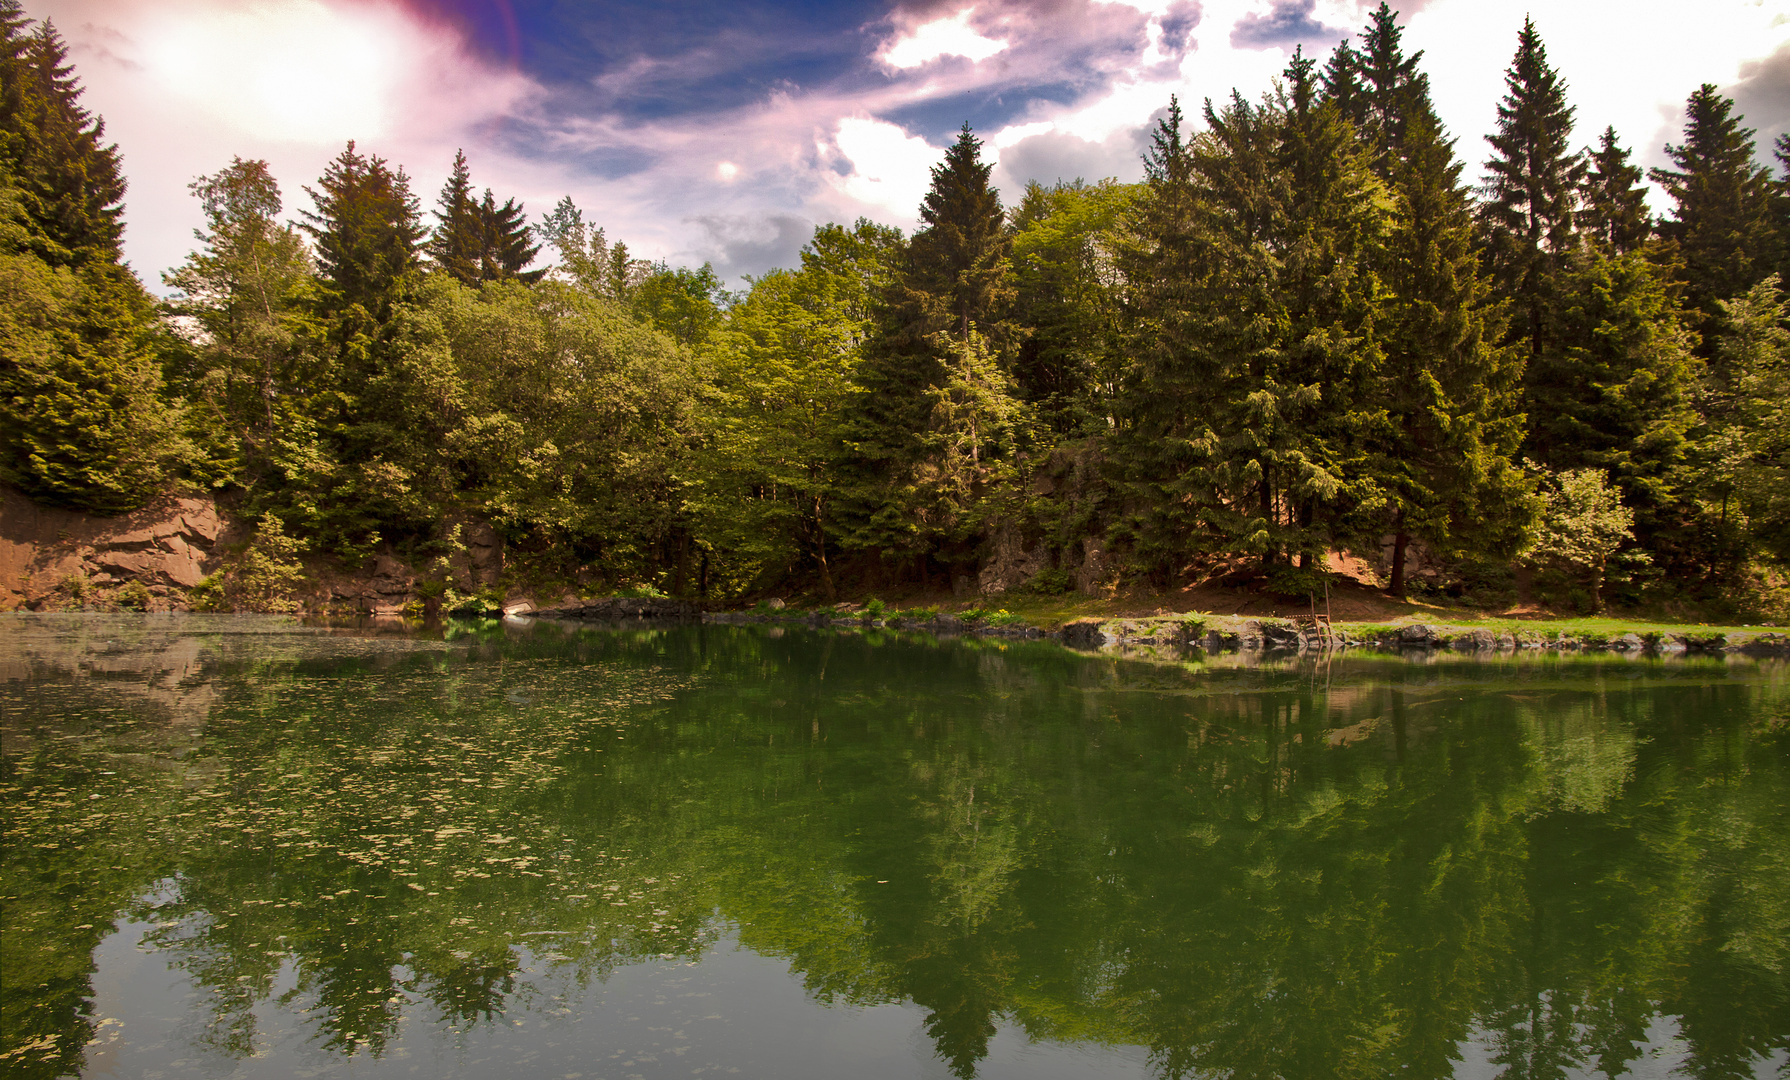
(820, 553)
(1400, 541)
(681, 575)
(1269, 555)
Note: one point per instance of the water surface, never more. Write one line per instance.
(241, 847)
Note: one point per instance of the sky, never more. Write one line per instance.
(724, 132)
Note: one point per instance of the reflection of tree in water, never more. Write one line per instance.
(1247, 872)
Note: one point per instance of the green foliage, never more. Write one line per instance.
(1532, 188)
(1747, 398)
(875, 609)
(1583, 524)
(1620, 397)
(247, 363)
(1068, 297)
(132, 596)
(1052, 581)
(266, 573)
(208, 594)
(1721, 201)
(587, 259)
(683, 304)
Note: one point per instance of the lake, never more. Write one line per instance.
(241, 847)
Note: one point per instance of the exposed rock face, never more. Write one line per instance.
(1094, 569)
(170, 546)
(1010, 563)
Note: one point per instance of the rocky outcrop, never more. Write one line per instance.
(47, 553)
(1010, 562)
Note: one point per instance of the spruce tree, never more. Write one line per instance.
(1613, 204)
(1391, 90)
(83, 418)
(477, 240)
(1720, 220)
(958, 261)
(1620, 393)
(953, 280)
(1449, 388)
(457, 244)
(1531, 188)
(366, 231)
(504, 250)
(70, 180)
(1254, 292)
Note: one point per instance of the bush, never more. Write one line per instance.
(208, 595)
(875, 608)
(1053, 582)
(265, 575)
(133, 596)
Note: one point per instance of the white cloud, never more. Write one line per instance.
(185, 85)
(891, 169)
(942, 37)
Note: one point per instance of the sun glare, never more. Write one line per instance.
(297, 71)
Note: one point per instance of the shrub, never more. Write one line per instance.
(208, 595)
(265, 575)
(1052, 582)
(133, 596)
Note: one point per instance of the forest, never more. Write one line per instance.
(1319, 325)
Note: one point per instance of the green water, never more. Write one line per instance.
(237, 847)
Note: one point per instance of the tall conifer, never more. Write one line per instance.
(1391, 90)
(83, 420)
(1531, 187)
(952, 284)
(458, 240)
(1613, 210)
(71, 181)
(1722, 202)
(366, 231)
(1450, 389)
(504, 249)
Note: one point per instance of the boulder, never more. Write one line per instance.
(1474, 641)
(1419, 635)
(1278, 635)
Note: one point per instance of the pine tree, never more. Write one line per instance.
(1392, 92)
(505, 251)
(70, 181)
(953, 280)
(458, 241)
(1450, 389)
(1531, 188)
(366, 231)
(83, 417)
(1721, 217)
(1613, 203)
